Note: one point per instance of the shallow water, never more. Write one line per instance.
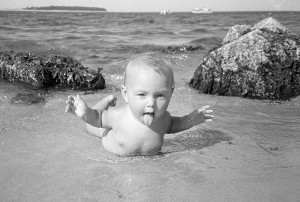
(46, 154)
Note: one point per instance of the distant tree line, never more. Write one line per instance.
(77, 8)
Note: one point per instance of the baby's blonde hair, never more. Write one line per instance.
(153, 61)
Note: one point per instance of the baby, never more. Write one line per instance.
(139, 126)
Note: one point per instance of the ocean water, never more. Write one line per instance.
(46, 154)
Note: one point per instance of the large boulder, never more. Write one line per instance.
(48, 71)
(260, 61)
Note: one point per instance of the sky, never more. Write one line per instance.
(159, 5)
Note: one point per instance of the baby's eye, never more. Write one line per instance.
(141, 94)
(160, 95)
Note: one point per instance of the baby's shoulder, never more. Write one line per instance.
(113, 115)
(119, 111)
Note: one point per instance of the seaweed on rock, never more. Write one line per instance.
(49, 71)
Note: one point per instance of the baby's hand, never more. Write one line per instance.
(76, 106)
(203, 114)
(112, 100)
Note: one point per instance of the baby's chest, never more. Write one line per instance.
(138, 131)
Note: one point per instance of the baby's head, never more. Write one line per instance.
(148, 87)
(146, 61)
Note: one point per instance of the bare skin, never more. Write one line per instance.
(139, 126)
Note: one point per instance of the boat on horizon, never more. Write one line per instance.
(165, 12)
(202, 10)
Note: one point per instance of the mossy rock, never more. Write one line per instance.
(48, 71)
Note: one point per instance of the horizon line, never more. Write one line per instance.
(214, 11)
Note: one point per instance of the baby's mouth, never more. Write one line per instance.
(148, 118)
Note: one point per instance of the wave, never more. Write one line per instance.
(197, 31)
(207, 41)
(164, 33)
(26, 45)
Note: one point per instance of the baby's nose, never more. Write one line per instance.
(151, 101)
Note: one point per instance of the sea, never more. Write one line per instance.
(46, 154)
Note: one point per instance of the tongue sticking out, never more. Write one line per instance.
(148, 119)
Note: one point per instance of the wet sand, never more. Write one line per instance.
(250, 152)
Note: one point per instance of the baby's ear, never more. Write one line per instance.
(172, 89)
(124, 93)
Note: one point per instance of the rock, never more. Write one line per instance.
(235, 32)
(48, 71)
(260, 61)
(182, 48)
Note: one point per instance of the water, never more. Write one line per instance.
(47, 155)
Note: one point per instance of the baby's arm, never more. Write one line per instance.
(196, 117)
(77, 106)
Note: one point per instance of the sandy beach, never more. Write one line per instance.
(46, 155)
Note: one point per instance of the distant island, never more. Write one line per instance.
(65, 8)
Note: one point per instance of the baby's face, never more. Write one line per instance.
(148, 94)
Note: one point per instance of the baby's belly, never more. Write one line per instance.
(132, 145)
